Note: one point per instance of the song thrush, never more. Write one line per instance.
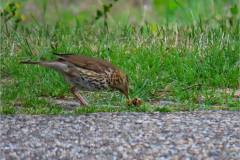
(87, 74)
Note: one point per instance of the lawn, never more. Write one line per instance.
(161, 61)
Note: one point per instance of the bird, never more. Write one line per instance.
(87, 74)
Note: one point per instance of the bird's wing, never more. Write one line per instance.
(90, 63)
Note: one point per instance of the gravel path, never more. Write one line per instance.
(175, 135)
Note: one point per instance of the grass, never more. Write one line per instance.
(154, 58)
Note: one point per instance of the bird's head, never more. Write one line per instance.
(122, 83)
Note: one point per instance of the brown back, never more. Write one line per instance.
(90, 63)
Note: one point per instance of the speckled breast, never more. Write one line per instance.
(91, 83)
(88, 80)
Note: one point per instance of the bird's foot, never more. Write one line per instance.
(75, 92)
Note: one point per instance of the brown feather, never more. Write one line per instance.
(28, 62)
(87, 73)
(89, 63)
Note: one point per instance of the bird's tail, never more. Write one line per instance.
(56, 54)
(57, 65)
(28, 62)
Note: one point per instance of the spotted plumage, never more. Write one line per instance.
(87, 74)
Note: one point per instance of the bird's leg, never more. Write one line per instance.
(75, 92)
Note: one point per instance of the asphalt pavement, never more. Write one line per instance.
(158, 135)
